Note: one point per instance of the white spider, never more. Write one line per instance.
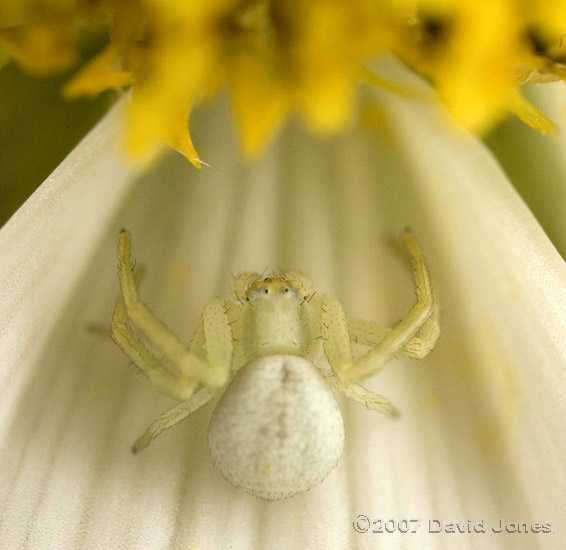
(276, 430)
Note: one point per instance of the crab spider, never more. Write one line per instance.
(276, 430)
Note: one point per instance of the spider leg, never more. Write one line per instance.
(370, 334)
(335, 335)
(398, 338)
(425, 340)
(365, 332)
(219, 348)
(215, 322)
(371, 400)
(179, 388)
(336, 332)
(160, 336)
(173, 416)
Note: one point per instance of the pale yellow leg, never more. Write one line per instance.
(336, 333)
(369, 334)
(180, 388)
(371, 400)
(214, 319)
(366, 333)
(420, 346)
(160, 336)
(218, 338)
(172, 417)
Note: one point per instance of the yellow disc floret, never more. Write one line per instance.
(280, 58)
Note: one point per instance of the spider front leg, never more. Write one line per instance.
(180, 388)
(217, 334)
(370, 334)
(419, 329)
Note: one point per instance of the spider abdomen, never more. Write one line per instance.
(277, 430)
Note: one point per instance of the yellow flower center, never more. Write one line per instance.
(280, 58)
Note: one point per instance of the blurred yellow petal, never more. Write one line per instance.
(531, 116)
(259, 102)
(181, 141)
(474, 72)
(40, 48)
(280, 59)
(151, 128)
(101, 73)
(548, 16)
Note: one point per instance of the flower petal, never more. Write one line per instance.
(471, 439)
(46, 245)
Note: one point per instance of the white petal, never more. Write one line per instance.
(480, 435)
(45, 246)
(44, 250)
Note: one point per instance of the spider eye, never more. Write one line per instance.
(287, 290)
(266, 291)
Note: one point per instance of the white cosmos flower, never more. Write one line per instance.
(481, 432)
